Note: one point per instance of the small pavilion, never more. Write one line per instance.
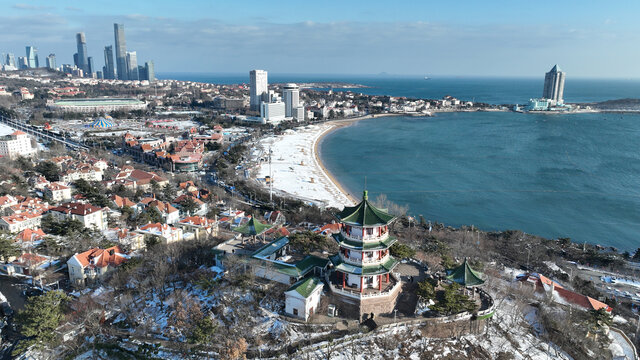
(465, 275)
(253, 228)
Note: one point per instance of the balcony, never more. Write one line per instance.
(388, 288)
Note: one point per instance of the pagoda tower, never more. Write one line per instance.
(362, 275)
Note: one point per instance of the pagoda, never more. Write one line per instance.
(362, 276)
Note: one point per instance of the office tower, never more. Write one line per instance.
(51, 61)
(554, 85)
(23, 63)
(150, 70)
(108, 69)
(142, 73)
(121, 52)
(291, 94)
(83, 62)
(259, 88)
(132, 65)
(32, 57)
(99, 75)
(11, 59)
(91, 67)
(75, 60)
(67, 68)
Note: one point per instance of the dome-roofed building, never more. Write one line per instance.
(362, 277)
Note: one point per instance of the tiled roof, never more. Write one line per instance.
(77, 209)
(100, 258)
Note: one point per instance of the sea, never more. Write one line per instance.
(553, 175)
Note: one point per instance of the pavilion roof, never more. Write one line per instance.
(465, 275)
(253, 227)
(364, 214)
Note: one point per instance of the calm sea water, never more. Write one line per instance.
(574, 175)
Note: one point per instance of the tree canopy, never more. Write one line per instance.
(39, 319)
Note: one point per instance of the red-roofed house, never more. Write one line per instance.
(92, 264)
(166, 233)
(30, 235)
(25, 263)
(201, 226)
(18, 222)
(90, 216)
(558, 293)
(57, 191)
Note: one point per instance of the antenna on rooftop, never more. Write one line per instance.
(365, 182)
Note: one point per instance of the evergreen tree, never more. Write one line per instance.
(8, 248)
(49, 170)
(39, 319)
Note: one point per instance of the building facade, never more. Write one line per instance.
(81, 43)
(272, 112)
(121, 52)
(17, 144)
(32, 57)
(291, 95)
(554, 85)
(258, 88)
(108, 70)
(132, 65)
(51, 61)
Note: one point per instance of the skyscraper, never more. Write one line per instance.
(554, 85)
(23, 63)
(75, 60)
(259, 88)
(83, 62)
(142, 73)
(32, 57)
(51, 61)
(11, 59)
(109, 70)
(121, 52)
(132, 65)
(91, 67)
(291, 94)
(150, 70)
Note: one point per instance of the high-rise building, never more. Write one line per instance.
(150, 70)
(11, 59)
(554, 85)
(259, 88)
(142, 73)
(91, 67)
(121, 52)
(108, 69)
(132, 65)
(99, 75)
(75, 60)
(32, 57)
(291, 95)
(23, 63)
(51, 61)
(83, 62)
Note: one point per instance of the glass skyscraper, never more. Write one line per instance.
(121, 52)
(83, 62)
(150, 71)
(32, 57)
(109, 70)
(554, 85)
(51, 61)
(132, 63)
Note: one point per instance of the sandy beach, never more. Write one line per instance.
(297, 168)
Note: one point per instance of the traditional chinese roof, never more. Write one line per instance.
(306, 287)
(359, 245)
(364, 214)
(253, 227)
(465, 275)
(377, 269)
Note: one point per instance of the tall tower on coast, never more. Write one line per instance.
(554, 85)
(121, 52)
(258, 87)
(83, 61)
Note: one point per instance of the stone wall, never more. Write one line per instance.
(361, 309)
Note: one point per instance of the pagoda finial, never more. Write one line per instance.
(365, 195)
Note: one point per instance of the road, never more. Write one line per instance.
(42, 134)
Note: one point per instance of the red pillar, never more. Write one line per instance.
(344, 276)
(361, 279)
(379, 282)
(387, 277)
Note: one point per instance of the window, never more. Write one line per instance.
(369, 231)
(295, 312)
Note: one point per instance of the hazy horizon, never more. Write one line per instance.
(588, 39)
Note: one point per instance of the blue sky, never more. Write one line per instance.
(462, 38)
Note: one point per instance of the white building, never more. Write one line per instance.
(90, 216)
(272, 112)
(259, 88)
(291, 95)
(18, 143)
(303, 298)
(57, 192)
(166, 233)
(93, 264)
(298, 113)
(18, 222)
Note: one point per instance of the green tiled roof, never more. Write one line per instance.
(252, 227)
(465, 275)
(359, 245)
(306, 286)
(383, 268)
(364, 214)
(302, 267)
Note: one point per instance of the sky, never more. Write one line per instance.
(592, 39)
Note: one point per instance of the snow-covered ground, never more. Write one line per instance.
(5, 130)
(295, 169)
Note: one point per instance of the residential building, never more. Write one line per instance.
(81, 43)
(18, 222)
(26, 263)
(298, 113)
(91, 67)
(291, 95)
(258, 88)
(164, 232)
(51, 61)
(17, 144)
(108, 70)
(170, 215)
(150, 71)
(272, 112)
(121, 52)
(202, 227)
(91, 265)
(57, 192)
(32, 57)
(554, 85)
(90, 216)
(130, 240)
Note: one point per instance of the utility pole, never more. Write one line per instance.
(270, 178)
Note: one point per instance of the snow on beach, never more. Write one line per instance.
(295, 169)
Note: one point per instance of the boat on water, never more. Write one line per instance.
(427, 78)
